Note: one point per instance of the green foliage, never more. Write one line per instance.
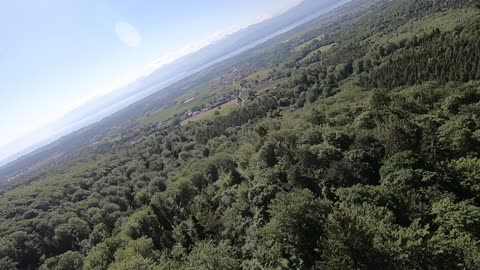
(67, 261)
(467, 171)
(210, 256)
(357, 238)
(102, 255)
(362, 156)
(7, 263)
(136, 254)
(291, 238)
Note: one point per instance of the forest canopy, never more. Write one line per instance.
(364, 155)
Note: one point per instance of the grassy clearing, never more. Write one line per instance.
(322, 49)
(260, 75)
(224, 109)
(300, 47)
(197, 96)
(269, 85)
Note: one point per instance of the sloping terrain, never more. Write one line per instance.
(364, 157)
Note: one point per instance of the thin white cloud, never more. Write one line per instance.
(132, 38)
(128, 34)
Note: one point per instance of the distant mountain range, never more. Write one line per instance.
(102, 107)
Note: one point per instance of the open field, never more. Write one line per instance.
(222, 109)
(302, 46)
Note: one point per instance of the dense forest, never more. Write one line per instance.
(365, 155)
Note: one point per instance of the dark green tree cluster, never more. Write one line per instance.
(441, 57)
(321, 172)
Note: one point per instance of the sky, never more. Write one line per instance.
(57, 54)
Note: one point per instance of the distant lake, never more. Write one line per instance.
(143, 93)
(160, 86)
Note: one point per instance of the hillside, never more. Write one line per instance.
(154, 91)
(350, 142)
(128, 97)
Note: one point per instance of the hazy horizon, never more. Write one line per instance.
(127, 47)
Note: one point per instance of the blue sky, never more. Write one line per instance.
(56, 54)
